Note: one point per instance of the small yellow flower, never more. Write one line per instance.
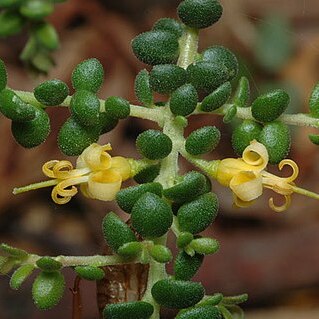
(247, 177)
(99, 175)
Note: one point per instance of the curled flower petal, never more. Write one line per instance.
(95, 157)
(282, 208)
(256, 155)
(247, 186)
(47, 168)
(104, 185)
(65, 190)
(293, 165)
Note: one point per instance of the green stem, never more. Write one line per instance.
(151, 114)
(244, 113)
(169, 166)
(72, 261)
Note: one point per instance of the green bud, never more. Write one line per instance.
(127, 197)
(116, 232)
(165, 78)
(197, 215)
(142, 88)
(47, 289)
(202, 312)
(13, 252)
(184, 239)
(130, 250)
(203, 140)
(181, 121)
(148, 174)
(191, 186)
(85, 107)
(10, 3)
(184, 100)
(205, 246)
(156, 47)
(217, 98)
(107, 123)
(169, 25)
(199, 14)
(47, 36)
(32, 133)
(177, 294)
(51, 92)
(186, 267)
(151, 216)
(88, 75)
(313, 101)
(243, 134)
(37, 9)
(314, 138)
(74, 138)
(242, 94)
(207, 76)
(48, 264)
(117, 107)
(132, 310)
(3, 76)
(20, 275)
(154, 144)
(161, 254)
(268, 107)
(10, 23)
(14, 108)
(221, 55)
(89, 272)
(230, 114)
(276, 137)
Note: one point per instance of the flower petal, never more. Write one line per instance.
(95, 157)
(62, 170)
(104, 185)
(295, 169)
(247, 186)
(282, 208)
(256, 155)
(122, 166)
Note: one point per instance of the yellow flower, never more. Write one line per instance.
(99, 175)
(247, 177)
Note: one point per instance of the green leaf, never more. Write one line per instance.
(177, 294)
(199, 14)
(274, 42)
(151, 216)
(47, 289)
(131, 310)
(88, 75)
(20, 275)
(13, 252)
(116, 232)
(90, 272)
(206, 246)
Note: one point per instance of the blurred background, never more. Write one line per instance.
(273, 257)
